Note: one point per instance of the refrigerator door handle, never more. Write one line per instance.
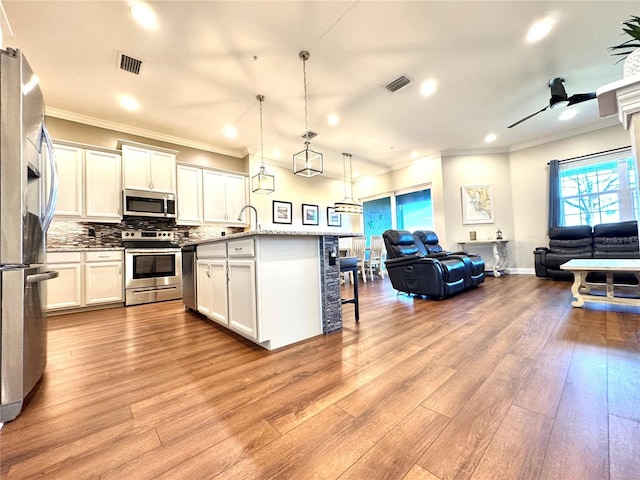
(53, 187)
(41, 277)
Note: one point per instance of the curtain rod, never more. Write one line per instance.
(572, 159)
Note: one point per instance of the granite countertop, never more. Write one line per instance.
(291, 233)
(81, 249)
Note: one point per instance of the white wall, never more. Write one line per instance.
(487, 169)
(320, 190)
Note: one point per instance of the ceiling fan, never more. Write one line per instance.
(559, 98)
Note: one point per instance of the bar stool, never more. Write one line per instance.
(350, 264)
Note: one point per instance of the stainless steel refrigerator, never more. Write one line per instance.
(28, 190)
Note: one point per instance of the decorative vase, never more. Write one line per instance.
(631, 64)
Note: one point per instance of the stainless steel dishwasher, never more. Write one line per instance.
(189, 277)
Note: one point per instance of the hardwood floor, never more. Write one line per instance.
(507, 381)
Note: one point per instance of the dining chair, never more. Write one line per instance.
(374, 263)
(359, 250)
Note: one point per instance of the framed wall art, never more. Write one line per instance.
(333, 219)
(477, 204)
(281, 212)
(309, 214)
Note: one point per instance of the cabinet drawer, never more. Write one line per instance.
(64, 257)
(212, 250)
(241, 248)
(103, 256)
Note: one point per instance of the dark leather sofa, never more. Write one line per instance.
(417, 265)
(607, 240)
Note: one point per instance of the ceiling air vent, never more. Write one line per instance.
(128, 63)
(309, 135)
(398, 83)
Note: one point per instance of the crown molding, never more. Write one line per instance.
(119, 127)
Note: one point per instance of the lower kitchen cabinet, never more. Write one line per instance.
(263, 287)
(85, 279)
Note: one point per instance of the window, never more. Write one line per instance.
(601, 189)
(413, 211)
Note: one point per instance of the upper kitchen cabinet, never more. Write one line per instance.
(90, 183)
(224, 195)
(209, 196)
(148, 168)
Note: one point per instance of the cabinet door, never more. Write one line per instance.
(163, 172)
(103, 186)
(69, 161)
(213, 184)
(203, 287)
(103, 282)
(235, 196)
(65, 291)
(242, 297)
(137, 168)
(189, 195)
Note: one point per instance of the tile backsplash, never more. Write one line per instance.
(107, 235)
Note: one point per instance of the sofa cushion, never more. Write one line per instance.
(616, 240)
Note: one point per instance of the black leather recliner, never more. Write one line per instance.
(474, 264)
(410, 270)
(565, 243)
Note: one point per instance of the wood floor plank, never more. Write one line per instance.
(459, 449)
(578, 446)
(624, 448)
(154, 391)
(518, 447)
(397, 452)
(623, 379)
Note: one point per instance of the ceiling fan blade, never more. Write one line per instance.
(581, 97)
(527, 118)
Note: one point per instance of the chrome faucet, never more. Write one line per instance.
(256, 212)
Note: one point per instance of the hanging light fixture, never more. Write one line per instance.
(262, 182)
(306, 163)
(348, 206)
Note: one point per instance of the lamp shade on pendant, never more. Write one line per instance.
(262, 182)
(348, 206)
(307, 162)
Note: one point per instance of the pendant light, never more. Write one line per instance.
(348, 206)
(306, 163)
(262, 182)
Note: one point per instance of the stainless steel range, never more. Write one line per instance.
(153, 266)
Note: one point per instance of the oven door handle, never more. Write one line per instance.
(151, 251)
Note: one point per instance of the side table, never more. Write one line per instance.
(500, 253)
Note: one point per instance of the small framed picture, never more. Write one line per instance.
(281, 212)
(309, 214)
(333, 219)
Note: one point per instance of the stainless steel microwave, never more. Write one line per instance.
(142, 203)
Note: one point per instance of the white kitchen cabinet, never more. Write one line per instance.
(242, 297)
(148, 168)
(89, 184)
(273, 287)
(224, 195)
(85, 279)
(103, 281)
(212, 289)
(69, 161)
(102, 185)
(64, 291)
(210, 196)
(189, 196)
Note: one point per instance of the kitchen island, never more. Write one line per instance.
(272, 287)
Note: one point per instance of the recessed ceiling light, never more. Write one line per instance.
(568, 114)
(144, 15)
(539, 30)
(129, 103)
(415, 154)
(490, 138)
(333, 119)
(277, 154)
(230, 131)
(428, 87)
